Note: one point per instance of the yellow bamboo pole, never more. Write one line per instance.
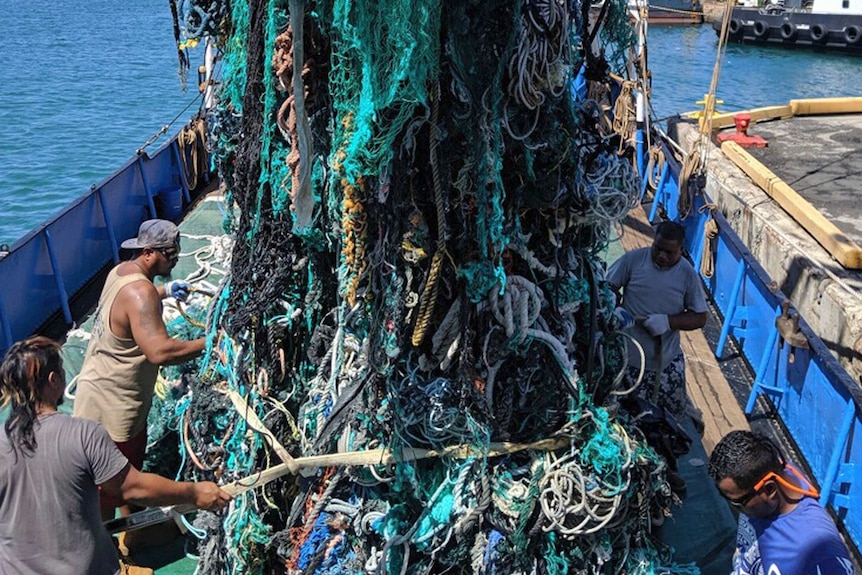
(757, 115)
(255, 423)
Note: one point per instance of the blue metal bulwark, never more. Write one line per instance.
(662, 193)
(112, 237)
(147, 188)
(840, 471)
(46, 268)
(762, 367)
(731, 316)
(778, 386)
(7, 329)
(818, 402)
(58, 276)
(175, 149)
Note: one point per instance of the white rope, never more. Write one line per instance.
(518, 307)
(622, 372)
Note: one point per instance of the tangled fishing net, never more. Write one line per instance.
(420, 199)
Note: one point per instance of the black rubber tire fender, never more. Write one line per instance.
(761, 29)
(852, 34)
(735, 27)
(819, 33)
(788, 31)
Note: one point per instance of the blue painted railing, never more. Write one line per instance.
(819, 403)
(46, 268)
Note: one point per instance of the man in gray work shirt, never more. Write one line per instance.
(663, 292)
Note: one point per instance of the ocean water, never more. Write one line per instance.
(682, 59)
(84, 84)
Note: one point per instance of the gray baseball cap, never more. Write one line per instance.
(154, 234)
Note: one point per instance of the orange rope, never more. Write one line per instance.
(298, 535)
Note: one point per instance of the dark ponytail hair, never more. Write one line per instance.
(23, 379)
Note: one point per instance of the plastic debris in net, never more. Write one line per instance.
(420, 207)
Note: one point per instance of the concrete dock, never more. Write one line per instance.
(820, 157)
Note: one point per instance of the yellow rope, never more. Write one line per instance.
(178, 305)
(161, 387)
(429, 294)
(192, 140)
(624, 114)
(655, 165)
(354, 223)
(599, 92)
(188, 318)
(677, 11)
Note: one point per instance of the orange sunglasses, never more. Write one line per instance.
(810, 491)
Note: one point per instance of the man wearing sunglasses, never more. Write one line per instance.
(129, 342)
(782, 528)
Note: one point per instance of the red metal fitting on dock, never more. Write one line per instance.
(741, 137)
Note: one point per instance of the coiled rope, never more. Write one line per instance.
(692, 165)
(192, 141)
(710, 234)
(655, 165)
(624, 113)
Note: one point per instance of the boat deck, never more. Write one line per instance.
(702, 530)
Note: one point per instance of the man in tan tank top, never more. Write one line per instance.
(129, 342)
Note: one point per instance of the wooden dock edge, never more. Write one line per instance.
(706, 384)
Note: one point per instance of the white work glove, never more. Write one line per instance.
(177, 289)
(624, 318)
(657, 324)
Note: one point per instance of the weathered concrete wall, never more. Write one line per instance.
(827, 296)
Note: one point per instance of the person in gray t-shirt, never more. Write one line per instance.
(663, 293)
(51, 465)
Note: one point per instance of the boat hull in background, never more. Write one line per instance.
(795, 29)
(675, 12)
